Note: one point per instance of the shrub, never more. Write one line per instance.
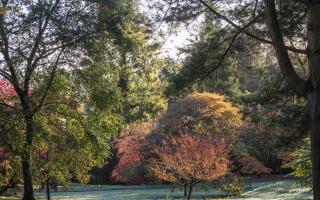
(302, 166)
(250, 165)
(232, 184)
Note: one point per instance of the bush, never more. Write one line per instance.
(232, 184)
(302, 166)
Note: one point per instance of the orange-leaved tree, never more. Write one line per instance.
(202, 113)
(187, 160)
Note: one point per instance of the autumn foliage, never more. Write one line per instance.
(251, 166)
(129, 167)
(188, 160)
(130, 160)
(202, 113)
(6, 90)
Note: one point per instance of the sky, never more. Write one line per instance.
(172, 41)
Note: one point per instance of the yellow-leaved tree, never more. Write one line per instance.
(202, 113)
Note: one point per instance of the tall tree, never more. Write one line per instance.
(70, 138)
(37, 38)
(133, 58)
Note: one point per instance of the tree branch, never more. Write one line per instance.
(51, 77)
(42, 27)
(4, 47)
(286, 67)
(222, 58)
(7, 105)
(226, 19)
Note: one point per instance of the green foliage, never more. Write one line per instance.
(302, 166)
(203, 70)
(70, 140)
(10, 170)
(129, 65)
(232, 184)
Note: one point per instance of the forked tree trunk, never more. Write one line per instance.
(314, 95)
(26, 158)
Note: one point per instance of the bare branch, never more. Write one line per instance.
(6, 75)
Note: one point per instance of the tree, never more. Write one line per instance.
(130, 167)
(202, 113)
(37, 38)
(292, 29)
(189, 160)
(71, 140)
(139, 68)
(40, 37)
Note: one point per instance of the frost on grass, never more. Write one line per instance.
(275, 190)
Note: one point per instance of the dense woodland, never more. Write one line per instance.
(88, 96)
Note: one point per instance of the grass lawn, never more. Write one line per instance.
(285, 189)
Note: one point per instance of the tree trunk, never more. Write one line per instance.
(190, 191)
(26, 157)
(185, 190)
(314, 96)
(48, 188)
(314, 101)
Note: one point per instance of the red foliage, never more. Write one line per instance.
(188, 160)
(6, 89)
(43, 154)
(6, 92)
(129, 168)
